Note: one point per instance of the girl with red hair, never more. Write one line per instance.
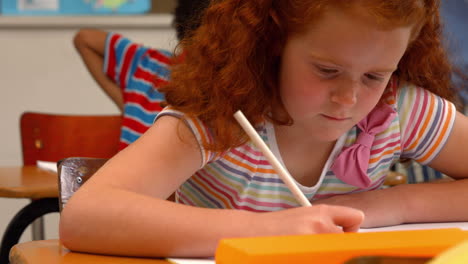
(339, 90)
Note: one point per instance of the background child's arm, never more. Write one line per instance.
(122, 209)
(90, 44)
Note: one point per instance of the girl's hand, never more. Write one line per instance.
(381, 207)
(310, 220)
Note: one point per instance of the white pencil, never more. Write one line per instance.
(282, 172)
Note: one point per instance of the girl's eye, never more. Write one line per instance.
(327, 71)
(373, 77)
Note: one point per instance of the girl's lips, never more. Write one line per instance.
(336, 118)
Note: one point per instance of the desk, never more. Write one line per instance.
(51, 252)
(39, 185)
(27, 182)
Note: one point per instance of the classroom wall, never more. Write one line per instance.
(40, 71)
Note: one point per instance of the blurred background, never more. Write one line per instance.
(41, 71)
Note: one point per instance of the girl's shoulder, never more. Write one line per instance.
(168, 110)
(202, 132)
(198, 127)
(400, 94)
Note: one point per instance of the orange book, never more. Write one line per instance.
(336, 248)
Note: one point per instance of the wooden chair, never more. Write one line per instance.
(73, 173)
(52, 137)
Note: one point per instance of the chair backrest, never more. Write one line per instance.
(73, 172)
(52, 137)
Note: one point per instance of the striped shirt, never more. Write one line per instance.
(242, 178)
(138, 71)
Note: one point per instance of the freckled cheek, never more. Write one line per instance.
(305, 94)
(368, 100)
(308, 95)
(311, 89)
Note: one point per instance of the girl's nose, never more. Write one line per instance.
(345, 94)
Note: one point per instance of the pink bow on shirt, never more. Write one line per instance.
(350, 166)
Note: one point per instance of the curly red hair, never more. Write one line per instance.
(231, 61)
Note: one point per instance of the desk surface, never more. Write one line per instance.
(27, 182)
(51, 252)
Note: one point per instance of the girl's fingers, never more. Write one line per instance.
(348, 218)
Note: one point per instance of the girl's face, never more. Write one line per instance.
(334, 74)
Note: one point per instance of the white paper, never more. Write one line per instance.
(47, 5)
(47, 165)
(191, 261)
(461, 225)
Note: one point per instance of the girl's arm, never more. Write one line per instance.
(453, 157)
(122, 209)
(451, 197)
(409, 203)
(90, 44)
(442, 201)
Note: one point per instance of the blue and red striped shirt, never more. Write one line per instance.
(138, 71)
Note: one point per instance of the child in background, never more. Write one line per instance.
(339, 90)
(129, 73)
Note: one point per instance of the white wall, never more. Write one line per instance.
(41, 71)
